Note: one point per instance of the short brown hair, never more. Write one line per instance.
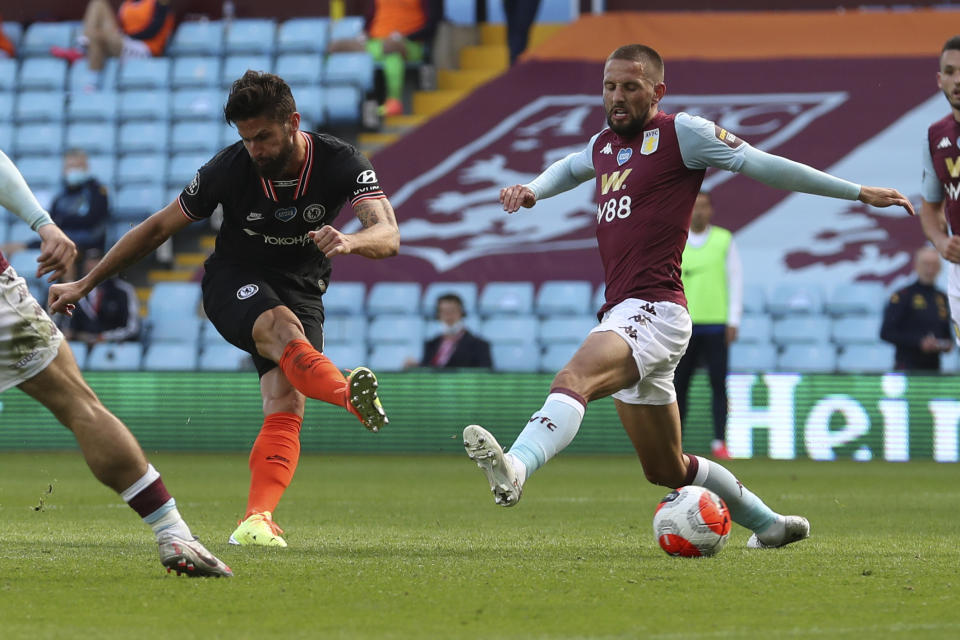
(258, 94)
(952, 43)
(648, 58)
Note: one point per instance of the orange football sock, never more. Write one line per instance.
(273, 460)
(313, 374)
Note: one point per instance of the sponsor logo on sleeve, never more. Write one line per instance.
(651, 142)
(313, 212)
(367, 177)
(194, 185)
(286, 214)
(726, 137)
(246, 291)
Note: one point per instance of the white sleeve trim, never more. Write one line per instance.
(930, 186)
(565, 174)
(781, 173)
(734, 285)
(16, 196)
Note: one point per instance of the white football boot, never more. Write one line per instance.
(484, 449)
(186, 556)
(795, 529)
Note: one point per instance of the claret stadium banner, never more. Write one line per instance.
(890, 417)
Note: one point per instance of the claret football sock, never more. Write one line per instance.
(273, 460)
(549, 431)
(746, 508)
(150, 498)
(313, 374)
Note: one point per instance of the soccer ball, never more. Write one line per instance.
(691, 522)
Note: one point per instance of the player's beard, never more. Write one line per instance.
(952, 98)
(629, 130)
(273, 168)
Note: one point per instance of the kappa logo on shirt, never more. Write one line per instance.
(945, 143)
(607, 150)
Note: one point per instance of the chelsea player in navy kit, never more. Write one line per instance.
(281, 189)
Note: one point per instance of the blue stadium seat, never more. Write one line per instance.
(236, 66)
(197, 39)
(859, 329)
(567, 297)
(344, 329)
(6, 140)
(346, 28)
(116, 230)
(24, 262)
(557, 355)
(573, 328)
(754, 298)
(344, 298)
(169, 299)
(510, 329)
(142, 137)
(466, 290)
(300, 68)
(80, 79)
(228, 135)
(40, 36)
(251, 35)
(347, 355)
(950, 361)
(142, 168)
(41, 172)
(197, 137)
(309, 101)
(856, 298)
(92, 137)
(106, 356)
(814, 358)
(755, 327)
(515, 357)
(43, 74)
(135, 203)
(461, 12)
(183, 167)
(753, 356)
(8, 74)
(103, 167)
(79, 350)
(350, 68)
(96, 106)
(197, 104)
(394, 356)
(39, 106)
(506, 297)
(866, 358)
(170, 356)
(38, 139)
(6, 107)
(303, 35)
(19, 232)
(801, 329)
(393, 328)
(224, 357)
(150, 104)
(144, 73)
(795, 298)
(599, 298)
(13, 31)
(548, 11)
(342, 105)
(196, 72)
(394, 297)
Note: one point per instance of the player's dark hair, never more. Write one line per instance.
(452, 297)
(257, 94)
(648, 58)
(952, 43)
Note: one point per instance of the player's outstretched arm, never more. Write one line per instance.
(379, 238)
(129, 249)
(935, 228)
(57, 252)
(519, 195)
(884, 197)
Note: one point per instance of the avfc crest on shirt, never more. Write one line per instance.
(651, 141)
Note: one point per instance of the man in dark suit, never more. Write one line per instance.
(455, 347)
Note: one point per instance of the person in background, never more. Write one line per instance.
(82, 207)
(713, 282)
(455, 347)
(109, 313)
(520, 16)
(397, 32)
(917, 318)
(7, 50)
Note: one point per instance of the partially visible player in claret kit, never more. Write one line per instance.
(36, 359)
(648, 166)
(281, 190)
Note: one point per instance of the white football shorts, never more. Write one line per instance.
(29, 340)
(658, 334)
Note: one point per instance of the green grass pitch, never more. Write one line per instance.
(413, 547)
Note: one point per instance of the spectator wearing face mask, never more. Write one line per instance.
(81, 209)
(455, 347)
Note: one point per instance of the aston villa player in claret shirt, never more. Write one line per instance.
(648, 166)
(281, 190)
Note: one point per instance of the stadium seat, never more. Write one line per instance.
(80, 79)
(309, 101)
(516, 357)
(41, 172)
(573, 328)
(195, 137)
(755, 328)
(38, 139)
(169, 299)
(866, 358)
(197, 104)
(39, 106)
(195, 72)
(466, 290)
(391, 328)
(152, 104)
(144, 73)
(19, 232)
(303, 35)
(567, 297)
(394, 356)
(347, 355)
(344, 298)
(43, 74)
(24, 262)
(599, 298)
(40, 36)
(349, 68)
(814, 358)
(795, 298)
(753, 356)
(106, 356)
(135, 203)
(346, 28)
(95, 106)
(461, 13)
(8, 74)
(235, 66)
(557, 355)
(547, 11)
(6, 107)
(79, 350)
(856, 298)
(859, 329)
(170, 356)
(251, 36)
(141, 137)
(228, 135)
(950, 361)
(14, 32)
(197, 39)
(506, 297)
(92, 137)
(801, 329)
(754, 298)
(224, 357)
(142, 168)
(183, 167)
(394, 297)
(341, 105)
(103, 167)
(6, 139)
(344, 329)
(510, 329)
(300, 68)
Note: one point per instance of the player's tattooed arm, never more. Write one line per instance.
(379, 238)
